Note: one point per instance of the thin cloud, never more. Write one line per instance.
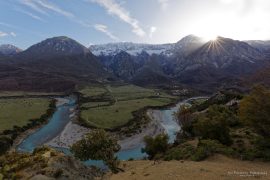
(153, 29)
(42, 6)
(29, 14)
(8, 25)
(31, 4)
(13, 34)
(113, 8)
(45, 6)
(27, 30)
(104, 29)
(3, 34)
(54, 8)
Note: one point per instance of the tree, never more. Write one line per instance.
(213, 128)
(5, 144)
(156, 145)
(214, 125)
(254, 110)
(185, 118)
(184, 115)
(98, 145)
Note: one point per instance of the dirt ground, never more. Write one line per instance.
(217, 167)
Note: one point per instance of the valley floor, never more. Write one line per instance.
(216, 167)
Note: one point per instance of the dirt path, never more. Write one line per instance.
(217, 168)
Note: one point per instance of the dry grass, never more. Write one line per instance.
(216, 167)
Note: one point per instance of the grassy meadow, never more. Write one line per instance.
(23, 93)
(20, 110)
(126, 99)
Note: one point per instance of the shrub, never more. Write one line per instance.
(214, 125)
(58, 173)
(255, 110)
(186, 119)
(207, 148)
(262, 145)
(184, 151)
(155, 145)
(40, 150)
(5, 144)
(201, 153)
(98, 145)
(213, 129)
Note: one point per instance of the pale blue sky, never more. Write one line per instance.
(25, 22)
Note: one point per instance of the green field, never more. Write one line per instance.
(22, 93)
(127, 99)
(92, 91)
(19, 111)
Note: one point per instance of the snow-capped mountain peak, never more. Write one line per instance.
(8, 49)
(134, 49)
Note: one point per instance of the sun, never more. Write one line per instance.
(210, 37)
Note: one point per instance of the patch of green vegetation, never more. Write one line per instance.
(207, 148)
(119, 113)
(46, 162)
(98, 145)
(94, 104)
(197, 102)
(92, 91)
(238, 129)
(181, 152)
(22, 93)
(156, 146)
(110, 107)
(186, 151)
(220, 98)
(18, 112)
(129, 92)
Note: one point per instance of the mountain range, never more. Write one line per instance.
(9, 50)
(61, 63)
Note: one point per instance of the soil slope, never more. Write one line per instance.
(216, 167)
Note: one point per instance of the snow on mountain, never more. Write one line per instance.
(8, 49)
(263, 46)
(134, 49)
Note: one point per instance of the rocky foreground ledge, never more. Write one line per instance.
(44, 163)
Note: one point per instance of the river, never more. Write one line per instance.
(62, 116)
(54, 126)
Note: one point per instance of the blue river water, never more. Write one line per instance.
(55, 125)
(61, 117)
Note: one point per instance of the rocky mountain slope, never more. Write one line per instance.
(62, 56)
(184, 46)
(261, 76)
(16, 78)
(263, 46)
(223, 53)
(218, 61)
(9, 50)
(187, 45)
(56, 46)
(58, 59)
(131, 48)
(190, 61)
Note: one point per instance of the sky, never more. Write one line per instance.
(26, 22)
